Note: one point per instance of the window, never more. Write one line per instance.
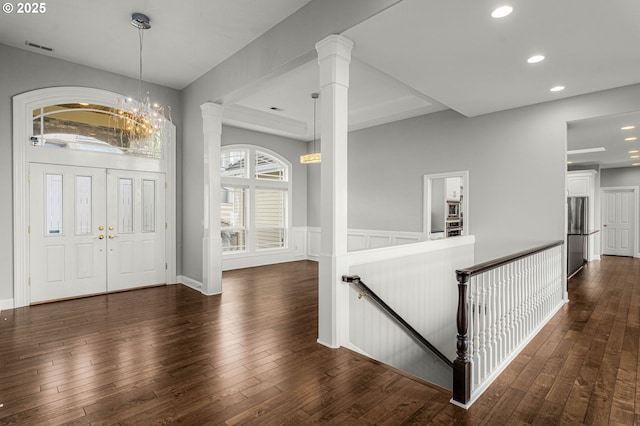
(96, 128)
(254, 200)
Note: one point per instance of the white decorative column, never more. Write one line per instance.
(334, 57)
(211, 241)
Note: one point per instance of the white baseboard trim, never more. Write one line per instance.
(196, 285)
(6, 304)
(327, 344)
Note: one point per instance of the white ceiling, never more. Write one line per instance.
(604, 132)
(186, 39)
(414, 58)
(456, 53)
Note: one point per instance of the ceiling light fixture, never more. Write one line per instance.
(557, 89)
(634, 156)
(535, 59)
(632, 138)
(502, 11)
(315, 156)
(635, 164)
(146, 119)
(627, 128)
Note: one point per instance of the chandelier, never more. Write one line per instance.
(315, 156)
(141, 122)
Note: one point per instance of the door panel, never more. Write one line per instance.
(94, 230)
(618, 223)
(136, 221)
(67, 258)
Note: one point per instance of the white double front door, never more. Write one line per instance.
(94, 230)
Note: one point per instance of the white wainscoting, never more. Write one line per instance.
(296, 251)
(418, 281)
(363, 239)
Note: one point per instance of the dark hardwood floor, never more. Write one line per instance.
(169, 355)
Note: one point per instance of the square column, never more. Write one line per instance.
(334, 57)
(211, 241)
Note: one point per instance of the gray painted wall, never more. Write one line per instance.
(516, 161)
(624, 176)
(22, 71)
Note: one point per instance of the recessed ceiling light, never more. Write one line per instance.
(633, 151)
(632, 138)
(502, 11)
(636, 164)
(557, 89)
(634, 156)
(627, 128)
(535, 59)
(569, 162)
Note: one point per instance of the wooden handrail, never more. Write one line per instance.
(496, 263)
(355, 279)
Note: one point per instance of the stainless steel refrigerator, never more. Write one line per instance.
(578, 212)
(577, 230)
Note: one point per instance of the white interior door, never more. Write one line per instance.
(68, 250)
(94, 230)
(136, 229)
(617, 223)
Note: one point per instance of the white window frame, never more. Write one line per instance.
(250, 183)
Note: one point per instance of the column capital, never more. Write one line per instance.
(210, 109)
(212, 117)
(334, 45)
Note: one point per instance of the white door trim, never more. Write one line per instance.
(636, 219)
(23, 106)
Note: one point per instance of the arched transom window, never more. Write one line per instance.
(255, 199)
(98, 128)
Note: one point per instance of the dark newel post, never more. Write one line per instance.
(462, 363)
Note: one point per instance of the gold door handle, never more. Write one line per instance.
(111, 228)
(101, 237)
(100, 228)
(111, 237)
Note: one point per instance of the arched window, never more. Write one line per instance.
(255, 199)
(98, 128)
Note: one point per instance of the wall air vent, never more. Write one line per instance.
(38, 46)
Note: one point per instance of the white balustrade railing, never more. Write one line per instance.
(502, 305)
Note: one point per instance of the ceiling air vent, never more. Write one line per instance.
(38, 46)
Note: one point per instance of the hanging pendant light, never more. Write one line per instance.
(143, 122)
(315, 156)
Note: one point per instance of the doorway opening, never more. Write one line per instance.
(94, 197)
